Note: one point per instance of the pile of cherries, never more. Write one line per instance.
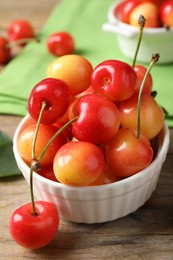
(20, 31)
(91, 126)
(100, 108)
(88, 130)
(158, 13)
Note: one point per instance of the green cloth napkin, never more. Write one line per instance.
(83, 19)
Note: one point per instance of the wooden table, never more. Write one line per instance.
(144, 234)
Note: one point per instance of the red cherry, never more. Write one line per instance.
(166, 13)
(126, 8)
(60, 43)
(114, 79)
(34, 231)
(5, 53)
(20, 29)
(57, 96)
(98, 120)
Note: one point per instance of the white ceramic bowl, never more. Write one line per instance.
(155, 40)
(97, 204)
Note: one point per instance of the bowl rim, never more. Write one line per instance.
(165, 139)
(124, 26)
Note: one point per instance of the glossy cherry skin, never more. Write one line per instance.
(127, 154)
(126, 8)
(151, 119)
(60, 43)
(20, 29)
(74, 69)
(98, 119)
(166, 13)
(151, 13)
(78, 163)
(114, 79)
(5, 53)
(140, 72)
(57, 96)
(45, 133)
(34, 232)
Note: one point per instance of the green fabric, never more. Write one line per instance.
(83, 19)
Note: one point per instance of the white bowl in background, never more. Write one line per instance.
(154, 40)
(96, 204)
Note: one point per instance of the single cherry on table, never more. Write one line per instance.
(36, 230)
(61, 43)
(5, 52)
(20, 29)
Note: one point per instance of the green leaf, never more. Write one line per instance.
(8, 166)
(4, 139)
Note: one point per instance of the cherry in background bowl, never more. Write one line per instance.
(155, 40)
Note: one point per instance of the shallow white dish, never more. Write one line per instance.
(154, 40)
(96, 204)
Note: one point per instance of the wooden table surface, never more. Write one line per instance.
(144, 234)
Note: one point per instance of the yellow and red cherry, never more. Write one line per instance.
(152, 115)
(60, 43)
(166, 13)
(127, 154)
(114, 79)
(71, 170)
(57, 96)
(98, 119)
(5, 52)
(20, 29)
(34, 231)
(140, 72)
(45, 133)
(73, 69)
(151, 13)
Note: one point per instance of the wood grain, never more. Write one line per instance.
(144, 234)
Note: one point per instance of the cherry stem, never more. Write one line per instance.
(43, 107)
(12, 44)
(34, 162)
(154, 59)
(141, 22)
(55, 135)
(34, 212)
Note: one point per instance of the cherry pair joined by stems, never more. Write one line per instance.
(35, 224)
